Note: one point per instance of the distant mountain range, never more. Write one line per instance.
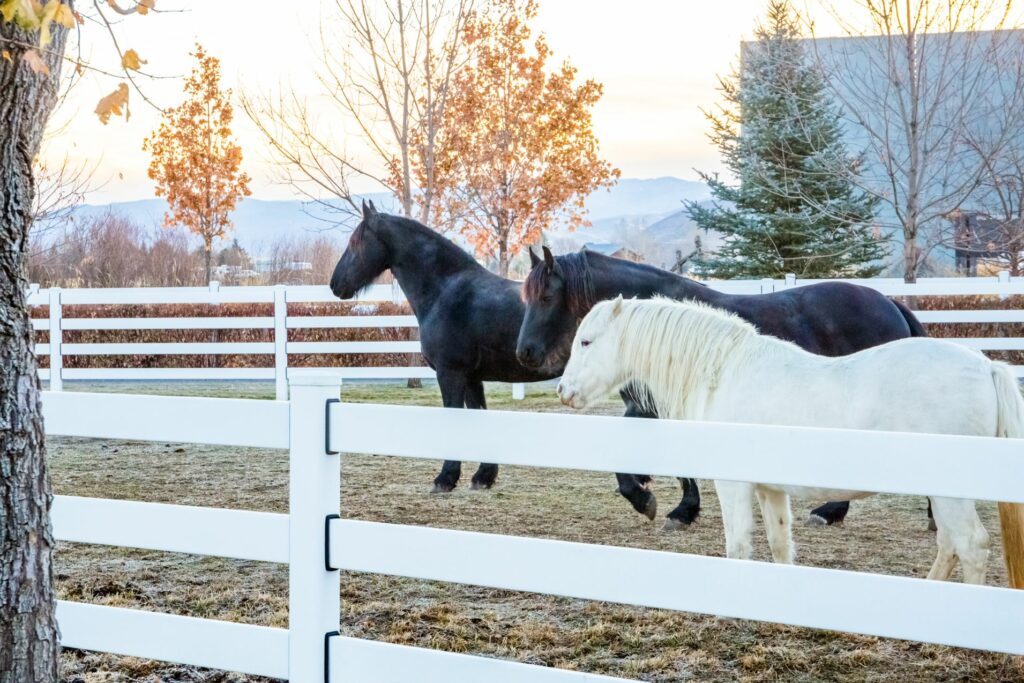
(634, 209)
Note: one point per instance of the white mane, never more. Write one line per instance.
(668, 338)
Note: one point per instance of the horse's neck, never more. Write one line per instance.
(421, 263)
(612, 278)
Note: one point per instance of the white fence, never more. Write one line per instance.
(280, 323)
(316, 543)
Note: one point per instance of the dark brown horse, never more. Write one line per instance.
(831, 319)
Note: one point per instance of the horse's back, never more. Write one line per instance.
(827, 318)
(909, 385)
(920, 385)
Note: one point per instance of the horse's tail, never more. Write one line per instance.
(1010, 424)
(916, 328)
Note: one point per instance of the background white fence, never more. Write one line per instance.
(281, 323)
(316, 543)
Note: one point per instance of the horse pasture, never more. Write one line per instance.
(884, 534)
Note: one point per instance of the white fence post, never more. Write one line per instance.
(280, 343)
(518, 391)
(56, 339)
(790, 279)
(767, 285)
(314, 493)
(1004, 282)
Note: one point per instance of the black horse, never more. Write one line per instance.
(469, 318)
(831, 319)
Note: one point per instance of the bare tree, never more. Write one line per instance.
(60, 187)
(935, 92)
(991, 229)
(385, 67)
(112, 250)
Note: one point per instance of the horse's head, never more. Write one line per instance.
(550, 321)
(595, 367)
(365, 257)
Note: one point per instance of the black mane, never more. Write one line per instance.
(444, 248)
(577, 271)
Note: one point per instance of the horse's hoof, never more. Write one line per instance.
(931, 525)
(651, 509)
(442, 488)
(674, 525)
(816, 520)
(480, 485)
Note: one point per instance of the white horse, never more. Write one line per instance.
(701, 363)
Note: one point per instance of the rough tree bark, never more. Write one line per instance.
(29, 647)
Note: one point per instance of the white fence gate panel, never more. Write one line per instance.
(895, 607)
(316, 543)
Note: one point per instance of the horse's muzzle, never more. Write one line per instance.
(566, 394)
(529, 356)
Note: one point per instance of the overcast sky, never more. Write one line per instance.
(658, 60)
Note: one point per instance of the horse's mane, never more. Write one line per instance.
(444, 246)
(575, 270)
(679, 349)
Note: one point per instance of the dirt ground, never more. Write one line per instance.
(884, 534)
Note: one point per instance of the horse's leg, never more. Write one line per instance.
(636, 487)
(778, 523)
(487, 473)
(829, 514)
(960, 532)
(686, 512)
(736, 499)
(931, 517)
(638, 494)
(453, 395)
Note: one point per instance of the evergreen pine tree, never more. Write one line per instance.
(795, 209)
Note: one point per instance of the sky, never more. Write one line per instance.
(659, 61)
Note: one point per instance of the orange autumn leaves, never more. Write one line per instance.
(36, 15)
(518, 152)
(196, 163)
(33, 15)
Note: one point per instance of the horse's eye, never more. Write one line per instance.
(546, 298)
(584, 343)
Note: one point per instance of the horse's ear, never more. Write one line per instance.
(372, 207)
(534, 259)
(368, 210)
(617, 305)
(549, 259)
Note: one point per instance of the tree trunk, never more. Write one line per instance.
(503, 256)
(911, 254)
(29, 649)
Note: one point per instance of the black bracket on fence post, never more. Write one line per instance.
(327, 425)
(327, 654)
(327, 543)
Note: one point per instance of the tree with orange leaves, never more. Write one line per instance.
(196, 163)
(519, 151)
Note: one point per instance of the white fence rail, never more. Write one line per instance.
(316, 543)
(281, 323)
(278, 325)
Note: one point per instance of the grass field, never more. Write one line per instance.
(885, 534)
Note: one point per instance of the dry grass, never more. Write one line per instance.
(883, 534)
